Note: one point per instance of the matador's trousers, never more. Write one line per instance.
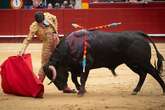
(48, 47)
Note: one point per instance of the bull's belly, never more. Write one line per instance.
(106, 63)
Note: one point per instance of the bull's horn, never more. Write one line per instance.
(52, 68)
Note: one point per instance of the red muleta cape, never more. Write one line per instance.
(18, 77)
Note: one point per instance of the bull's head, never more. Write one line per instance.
(56, 69)
(57, 75)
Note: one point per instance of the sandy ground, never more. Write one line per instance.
(104, 91)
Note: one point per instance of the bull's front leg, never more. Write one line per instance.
(83, 78)
(75, 73)
(75, 81)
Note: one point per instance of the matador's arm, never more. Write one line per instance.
(26, 41)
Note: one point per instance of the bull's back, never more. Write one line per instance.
(110, 49)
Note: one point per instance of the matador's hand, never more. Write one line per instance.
(20, 53)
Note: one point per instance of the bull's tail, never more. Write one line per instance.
(159, 64)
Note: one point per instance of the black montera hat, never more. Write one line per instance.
(39, 17)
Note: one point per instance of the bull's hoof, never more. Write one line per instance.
(134, 93)
(80, 94)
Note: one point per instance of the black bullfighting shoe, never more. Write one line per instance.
(69, 90)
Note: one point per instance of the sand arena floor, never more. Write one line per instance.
(104, 91)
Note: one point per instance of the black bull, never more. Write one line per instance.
(104, 49)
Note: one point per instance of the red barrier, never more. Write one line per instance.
(149, 20)
(7, 21)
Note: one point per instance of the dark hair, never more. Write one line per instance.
(39, 17)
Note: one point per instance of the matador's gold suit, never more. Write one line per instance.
(48, 36)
